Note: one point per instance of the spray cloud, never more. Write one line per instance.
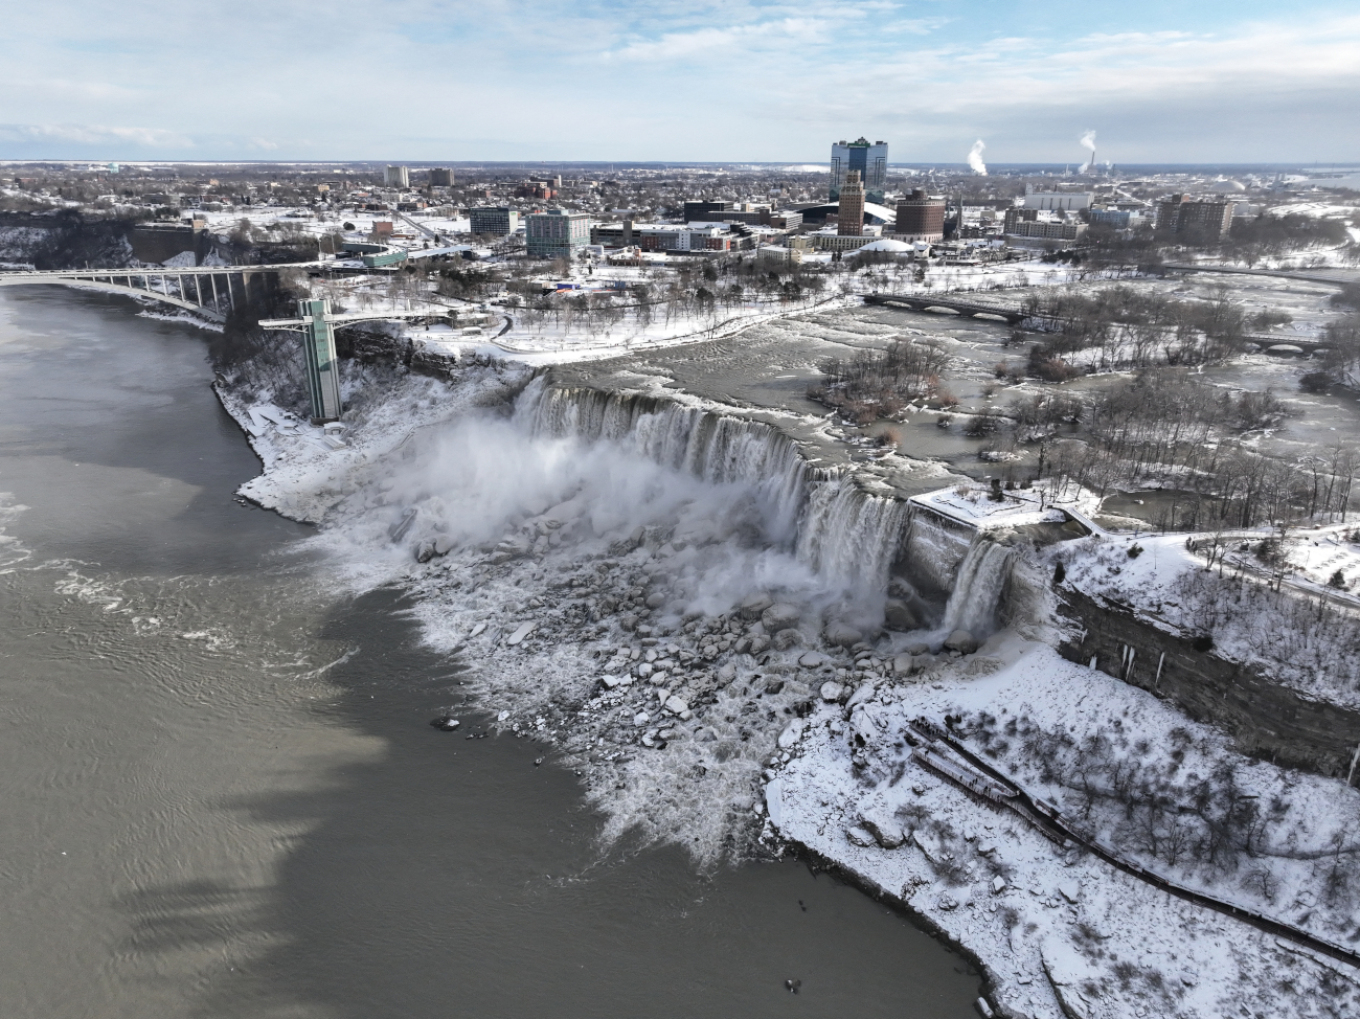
(975, 158)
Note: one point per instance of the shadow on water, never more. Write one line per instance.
(452, 875)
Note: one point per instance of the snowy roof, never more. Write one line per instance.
(887, 244)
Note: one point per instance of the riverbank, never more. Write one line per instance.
(712, 641)
(222, 793)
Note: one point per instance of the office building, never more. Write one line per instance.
(870, 161)
(493, 221)
(920, 218)
(397, 177)
(698, 212)
(441, 177)
(850, 218)
(556, 233)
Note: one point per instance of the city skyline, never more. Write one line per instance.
(760, 82)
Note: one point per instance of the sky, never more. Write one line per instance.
(1207, 81)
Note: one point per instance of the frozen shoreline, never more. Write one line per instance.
(603, 608)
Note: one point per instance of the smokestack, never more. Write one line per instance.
(1088, 140)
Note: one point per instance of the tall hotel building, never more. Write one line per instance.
(871, 162)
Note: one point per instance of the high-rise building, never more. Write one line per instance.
(869, 160)
(850, 220)
(493, 221)
(397, 177)
(920, 218)
(556, 233)
(441, 177)
(1198, 222)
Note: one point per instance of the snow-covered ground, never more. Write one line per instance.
(1313, 642)
(1060, 932)
(668, 616)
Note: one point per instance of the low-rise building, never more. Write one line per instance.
(556, 233)
(664, 237)
(1047, 230)
(1057, 201)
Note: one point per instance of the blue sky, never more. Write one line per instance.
(416, 80)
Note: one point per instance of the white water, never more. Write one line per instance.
(849, 538)
(977, 589)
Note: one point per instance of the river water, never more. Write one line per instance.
(220, 794)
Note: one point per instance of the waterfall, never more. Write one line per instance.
(977, 588)
(848, 536)
(934, 548)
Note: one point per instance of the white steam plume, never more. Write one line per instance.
(1088, 141)
(975, 158)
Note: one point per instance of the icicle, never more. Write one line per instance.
(1160, 662)
(1350, 775)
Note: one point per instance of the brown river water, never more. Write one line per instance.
(220, 794)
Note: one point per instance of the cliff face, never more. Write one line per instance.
(1267, 720)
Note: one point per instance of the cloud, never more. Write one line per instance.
(676, 80)
(720, 42)
(95, 134)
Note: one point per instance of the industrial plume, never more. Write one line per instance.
(975, 158)
(1088, 140)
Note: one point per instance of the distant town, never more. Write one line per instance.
(858, 203)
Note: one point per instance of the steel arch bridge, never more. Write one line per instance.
(209, 290)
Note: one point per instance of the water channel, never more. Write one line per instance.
(220, 794)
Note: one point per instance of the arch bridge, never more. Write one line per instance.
(211, 290)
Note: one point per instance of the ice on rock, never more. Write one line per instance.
(859, 836)
(961, 641)
(831, 691)
(864, 693)
(904, 665)
(785, 639)
(780, 617)
(842, 634)
(676, 706)
(641, 718)
(1070, 890)
(998, 885)
(886, 832)
(898, 615)
(864, 725)
(813, 660)
(792, 733)
(521, 631)
(753, 605)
